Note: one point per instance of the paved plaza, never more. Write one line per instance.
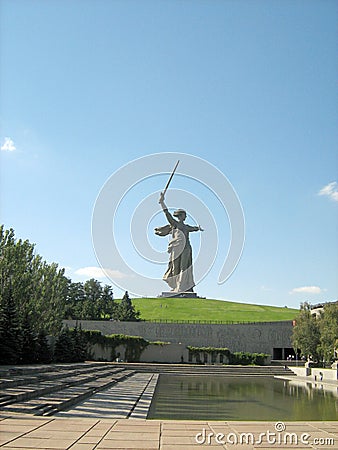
(27, 433)
(100, 406)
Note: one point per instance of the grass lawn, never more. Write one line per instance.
(205, 309)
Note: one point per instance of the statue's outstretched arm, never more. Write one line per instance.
(169, 217)
(191, 228)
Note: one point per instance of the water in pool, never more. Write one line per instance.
(242, 398)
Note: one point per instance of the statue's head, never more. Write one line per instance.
(180, 214)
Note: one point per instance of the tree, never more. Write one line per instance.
(43, 353)
(10, 336)
(317, 336)
(306, 333)
(71, 345)
(28, 342)
(74, 300)
(107, 303)
(64, 347)
(49, 286)
(126, 310)
(38, 288)
(89, 301)
(328, 326)
(93, 292)
(80, 344)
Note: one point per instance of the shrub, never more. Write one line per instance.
(246, 358)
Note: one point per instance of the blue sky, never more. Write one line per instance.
(249, 86)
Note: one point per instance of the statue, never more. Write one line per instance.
(179, 274)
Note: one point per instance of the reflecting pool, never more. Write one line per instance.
(241, 398)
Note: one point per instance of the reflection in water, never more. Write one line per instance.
(242, 398)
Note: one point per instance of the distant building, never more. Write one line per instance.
(316, 310)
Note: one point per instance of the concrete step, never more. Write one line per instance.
(193, 369)
(128, 398)
(63, 398)
(54, 372)
(41, 368)
(30, 391)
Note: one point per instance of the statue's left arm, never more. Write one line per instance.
(190, 228)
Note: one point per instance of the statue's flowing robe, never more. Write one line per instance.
(179, 274)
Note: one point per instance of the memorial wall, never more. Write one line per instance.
(260, 337)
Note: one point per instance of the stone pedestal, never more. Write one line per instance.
(171, 294)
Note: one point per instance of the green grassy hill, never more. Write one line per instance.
(205, 309)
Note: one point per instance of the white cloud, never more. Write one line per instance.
(330, 190)
(307, 290)
(97, 272)
(8, 145)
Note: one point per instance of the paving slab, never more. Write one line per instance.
(123, 444)
(79, 446)
(21, 433)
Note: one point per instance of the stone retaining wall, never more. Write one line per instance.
(262, 337)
